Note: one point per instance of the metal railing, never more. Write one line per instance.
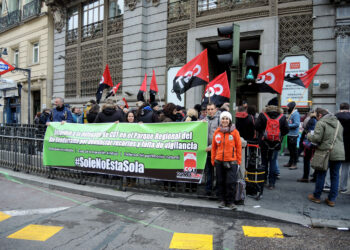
(31, 9)
(21, 149)
(10, 20)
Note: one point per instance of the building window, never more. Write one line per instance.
(116, 8)
(93, 12)
(72, 18)
(35, 52)
(15, 57)
(204, 5)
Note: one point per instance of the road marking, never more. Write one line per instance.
(267, 232)
(192, 241)
(4, 216)
(35, 232)
(35, 211)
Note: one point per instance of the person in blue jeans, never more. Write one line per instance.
(327, 128)
(269, 148)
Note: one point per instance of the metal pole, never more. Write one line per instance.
(234, 69)
(29, 94)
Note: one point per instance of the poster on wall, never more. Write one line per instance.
(171, 96)
(163, 151)
(291, 91)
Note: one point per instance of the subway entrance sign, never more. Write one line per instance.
(5, 67)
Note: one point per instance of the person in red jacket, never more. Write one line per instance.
(226, 155)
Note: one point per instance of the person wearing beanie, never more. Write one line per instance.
(293, 134)
(226, 156)
(269, 148)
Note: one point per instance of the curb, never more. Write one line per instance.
(183, 204)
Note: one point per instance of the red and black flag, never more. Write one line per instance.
(272, 80)
(106, 81)
(126, 103)
(142, 90)
(303, 79)
(194, 73)
(113, 91)
(153, 88)
(217, 91)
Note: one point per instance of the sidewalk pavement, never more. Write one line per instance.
(287, 202)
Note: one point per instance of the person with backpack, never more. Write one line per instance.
(271, 126)
(226, 156)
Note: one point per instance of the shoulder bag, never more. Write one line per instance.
(320, 159)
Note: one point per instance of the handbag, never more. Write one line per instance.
(320, 160)
(240, 186)
(307, 144)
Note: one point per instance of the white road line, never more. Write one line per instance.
(34, 211)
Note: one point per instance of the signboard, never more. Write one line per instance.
(5, 67)
(164, 151)
(171, 96)
(291, 91)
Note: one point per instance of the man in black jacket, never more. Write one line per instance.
(109, 113)
(269, 148)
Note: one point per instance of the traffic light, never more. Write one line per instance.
(225, 45)
(250, 65)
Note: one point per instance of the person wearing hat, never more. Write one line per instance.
(293, 134)
(226, 155)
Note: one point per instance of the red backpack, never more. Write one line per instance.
(272, 131)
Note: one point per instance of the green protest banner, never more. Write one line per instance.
(165, 151)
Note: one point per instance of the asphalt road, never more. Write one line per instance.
(59, 220)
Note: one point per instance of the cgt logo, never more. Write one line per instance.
(190, 162)
(294, 65)
(216, 89)
(188, 75)
(269, 78)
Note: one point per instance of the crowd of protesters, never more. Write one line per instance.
(318, 127)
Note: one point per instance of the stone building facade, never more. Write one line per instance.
(26, 32)
(136, 36)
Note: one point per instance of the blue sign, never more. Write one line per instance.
(3, 66)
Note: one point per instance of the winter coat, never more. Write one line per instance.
(294, 123)
(344, 118)
(91, 116)
(260, 125)
(61, 114)
(44, 118)
(226, 146)
(245, 125)
(213, 124)
(147, 116)
(165, 118)
(78, 118)
(109, 114)
(324, 134)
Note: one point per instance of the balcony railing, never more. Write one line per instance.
(207, 7)
(92, 31)
(10, 20)
(31, 9)
(179, 10)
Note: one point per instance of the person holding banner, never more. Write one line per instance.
(226, 156)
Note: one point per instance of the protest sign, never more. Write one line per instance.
(165, 151)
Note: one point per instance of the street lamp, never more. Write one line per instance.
(3, 51)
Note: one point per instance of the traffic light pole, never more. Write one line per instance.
(234, 69)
